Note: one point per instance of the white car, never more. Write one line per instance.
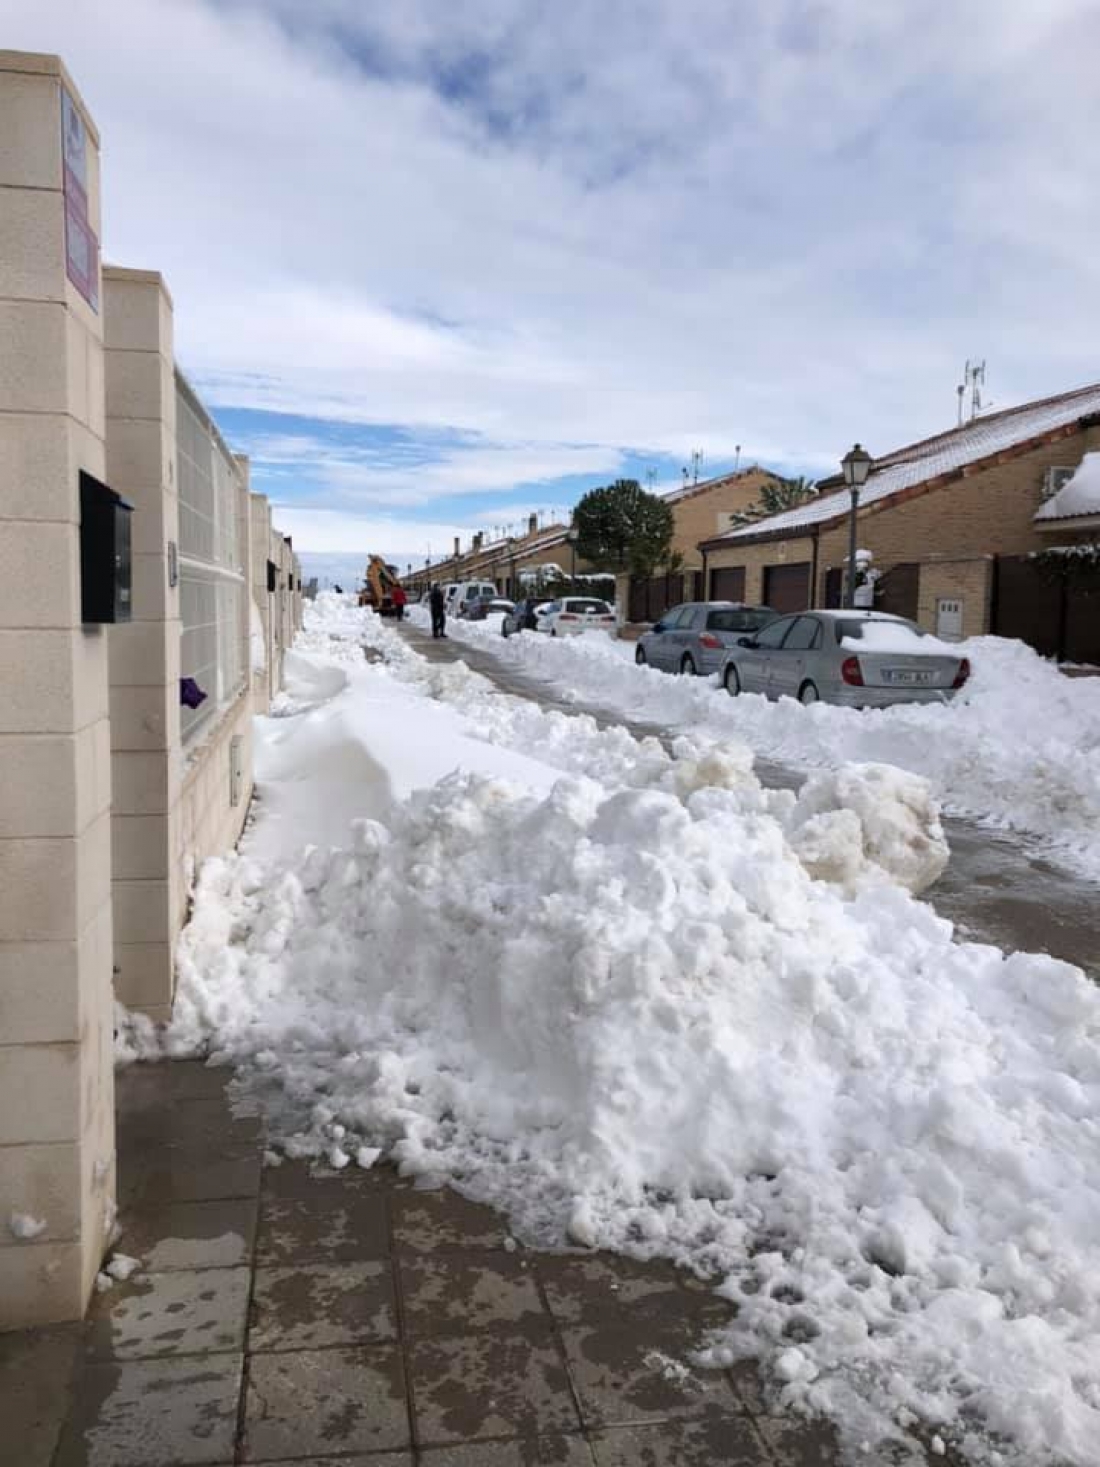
(571, 614)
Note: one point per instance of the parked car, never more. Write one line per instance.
(864, 659)
(524, 616)
(571, 614)
(470, 591)
(695, 636)
(485, 606)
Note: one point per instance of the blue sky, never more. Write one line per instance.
(438, 266)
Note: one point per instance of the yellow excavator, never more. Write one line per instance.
(377, 593)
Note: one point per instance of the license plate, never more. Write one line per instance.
(907, 675)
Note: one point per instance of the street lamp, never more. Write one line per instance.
(571, 538)
(511, 548)
(856, 464)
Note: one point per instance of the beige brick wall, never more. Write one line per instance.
(56, 1012)
(706, 512)
(968, 581)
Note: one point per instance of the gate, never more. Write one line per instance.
(650, 599)
(787, 587)
(728, 584)
(1057, 618)
(898, 590)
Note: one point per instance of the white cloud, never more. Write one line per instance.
(399, 539)
(661, 224)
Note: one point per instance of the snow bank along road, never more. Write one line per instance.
(1018, 748)
(637, 1000)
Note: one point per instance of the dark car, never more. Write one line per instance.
(523, 617)
(483, 606)
(695, 637)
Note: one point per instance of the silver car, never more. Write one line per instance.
(864, 659)
(694, 637)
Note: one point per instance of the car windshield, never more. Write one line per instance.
(576, 603)
(736, 621)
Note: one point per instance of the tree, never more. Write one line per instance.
(776, 496)
(623, 528)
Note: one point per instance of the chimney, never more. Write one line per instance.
(532, 523)
(478, 539)
(458, 552)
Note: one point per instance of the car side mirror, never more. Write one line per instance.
(658, 626)
(746, 641)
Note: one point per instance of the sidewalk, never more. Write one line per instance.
(354, 1319)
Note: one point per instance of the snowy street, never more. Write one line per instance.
(622, 991)
(1001, 886)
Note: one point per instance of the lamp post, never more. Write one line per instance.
(856, 464)
(512, 587)
(571, 538)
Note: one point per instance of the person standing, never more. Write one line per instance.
(439, 611)
(398, 597)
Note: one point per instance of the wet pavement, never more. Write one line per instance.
(347, 1317)
(999, 887)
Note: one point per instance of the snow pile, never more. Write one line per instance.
(866, 825)
(608, 992)
(24, 1227)
(1079, 495)
(1019, 747)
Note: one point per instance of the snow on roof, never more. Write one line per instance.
(1079, 495)
(685, 491)
(933, 457)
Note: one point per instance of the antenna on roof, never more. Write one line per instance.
(973, 381)
(696, 464)
(650, 475)
(737, 459)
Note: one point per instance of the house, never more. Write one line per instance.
(952, 524)
(507, 562)
(700, 512)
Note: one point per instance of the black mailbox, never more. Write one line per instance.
(272, 577)
(105, 562)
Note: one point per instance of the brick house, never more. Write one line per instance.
(951, 523)
(700, 511)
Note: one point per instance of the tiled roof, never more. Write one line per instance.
(933, 457)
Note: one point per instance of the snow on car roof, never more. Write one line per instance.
(919, 462)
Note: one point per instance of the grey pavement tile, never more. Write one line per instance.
(798, 1442)
(191, 1234)
(624, 1374)
(37, 1369)
(153, 1176)
(208, 1122)
(328, 1224)
(325, 1402)
(140, 1085)
(375, 1459)
(311, 1306)
(602, 1287)
(134, 1413)
(187, 1312)
(427, 1221)
(490, 1385)
(308, 1179)
(695, 1442)
(748, 1384)
(540, 1451)
(454, 1293)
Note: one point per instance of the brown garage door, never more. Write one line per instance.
(787, 587)
(728, 584)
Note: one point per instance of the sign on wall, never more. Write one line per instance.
(81, 244)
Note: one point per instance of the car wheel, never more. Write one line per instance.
(808, 694)
(553, 631)
(687, 665)
(639, 656)
(730, 681)
(504, 632)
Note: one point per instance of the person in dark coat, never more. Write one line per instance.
(439, 612)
